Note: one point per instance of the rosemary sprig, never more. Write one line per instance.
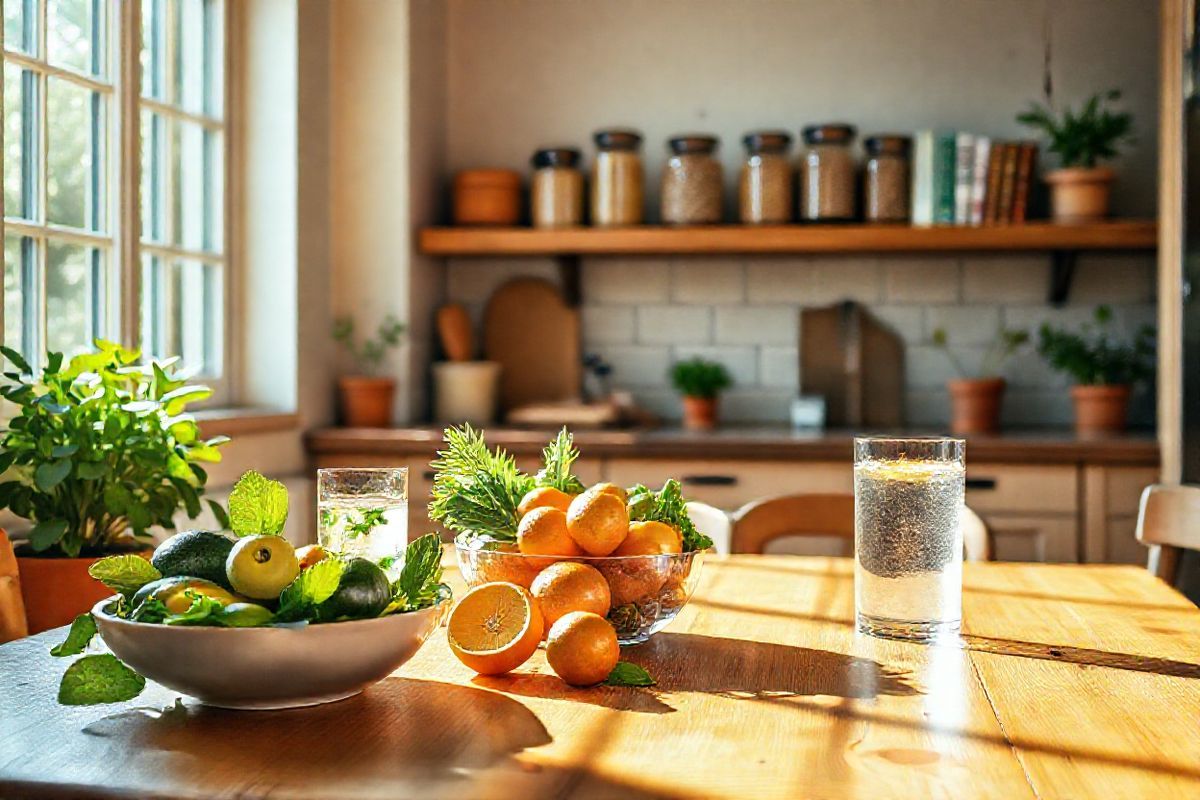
(475, 489)
(558, 457)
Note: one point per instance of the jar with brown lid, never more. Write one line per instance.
(765, 187)
(885, 178)
(556, 190)
(691, 182)
(828, 174)
(617, 178)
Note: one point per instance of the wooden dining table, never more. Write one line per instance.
(1069, 681)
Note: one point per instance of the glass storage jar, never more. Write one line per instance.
(691, 182)
(885, 178)
(828, 174)
(617, 178)
(556, 191)
(765, 186)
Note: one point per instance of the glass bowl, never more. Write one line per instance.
(647, 591)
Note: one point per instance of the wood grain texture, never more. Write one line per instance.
(1074, 682)
(739, 239)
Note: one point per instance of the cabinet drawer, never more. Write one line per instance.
(731, 484)
(1005, 488)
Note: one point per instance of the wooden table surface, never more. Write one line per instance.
(1074, 681)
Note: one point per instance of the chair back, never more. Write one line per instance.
(1168, 523)
(12, 607)
(713, 522)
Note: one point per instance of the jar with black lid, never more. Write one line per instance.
(886, 178)
(691, 181)
(617, 190)
(556, 190)
(765, 187)
(828, 174)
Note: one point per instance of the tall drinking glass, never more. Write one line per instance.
(908, 546)
(363, 512)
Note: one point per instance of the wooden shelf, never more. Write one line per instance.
(785, 239)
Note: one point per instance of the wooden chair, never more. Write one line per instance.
(12, 608)
(761, 521)
(1168, 523)
(713, 523)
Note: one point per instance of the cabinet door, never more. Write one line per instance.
(732, 484)
(1033, 537)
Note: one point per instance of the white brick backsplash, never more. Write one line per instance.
(779, 367)
(756, 405)
(663, 403)
(634, 365)
(608, 325)
(965, 325)
(847, 278)
(1132, 318)
(704, 281)
(757, 324)
(626, 280)
(1034, 408)
(472, 280)
(921, 280)
(1006, 279)
(1028, 370)
(1030, 318)
(674, 325)
(779, 280)
(927, 408)
(742, 362)
(1113, 279)
(907, 321)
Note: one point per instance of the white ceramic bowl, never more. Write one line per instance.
(268, 668)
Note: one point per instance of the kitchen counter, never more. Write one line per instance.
(764, 443)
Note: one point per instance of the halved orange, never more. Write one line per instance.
(495, 628)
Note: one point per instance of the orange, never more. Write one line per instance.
(634, 580)
(598, 522)
(543, 532)
(650, 539)
(582, 648)
(569, 586)
(544, 497)
(310, 554)
(495, 628)
(610, 488)
(504, 563)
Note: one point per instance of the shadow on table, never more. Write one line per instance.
(1082, 656)
(551, 687)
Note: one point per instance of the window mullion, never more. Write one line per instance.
(127, 229)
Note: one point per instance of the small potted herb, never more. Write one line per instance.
(100, 451)
(1104, 370)
(366, 398)
(700, 382)
(975, 401)
(1079, 190)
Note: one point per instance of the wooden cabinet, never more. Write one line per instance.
(731, 484)
(1032, 511)
(1110, 513)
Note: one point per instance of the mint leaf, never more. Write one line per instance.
(78, 638)
(626, 674)
(204, 610)
(99, 679)
(257, 505)
(421, 575)
(124, 574)
(314, 586)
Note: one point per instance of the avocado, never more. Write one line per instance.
(362, 592)
(197, 554)
(171, 592)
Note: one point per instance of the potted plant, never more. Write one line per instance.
(1104, 370)
(365, 397)
(1079, 190)
(99, 451)
(975, 401)
(700, 382)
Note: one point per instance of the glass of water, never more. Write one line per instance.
(908, 545)
(363, 512)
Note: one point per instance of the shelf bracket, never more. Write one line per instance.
(1062, 271)
(569, 273)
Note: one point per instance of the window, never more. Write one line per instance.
(83, 258)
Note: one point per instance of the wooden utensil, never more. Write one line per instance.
(855, 362)
(531, 331)
(454, 329)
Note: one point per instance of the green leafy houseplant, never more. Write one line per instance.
(1003, 347)
(366, 398)
(1083, 138)
(101, 450)
(975, 398)
(1092, 358)
(698, 377)
(368, 353)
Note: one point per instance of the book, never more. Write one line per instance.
(991, 196)
(1008, 179)
(1026, 158)
(979, 175)
(944, 163)
(964, 176)
(921, 188)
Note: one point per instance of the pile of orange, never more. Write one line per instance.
(497, 625)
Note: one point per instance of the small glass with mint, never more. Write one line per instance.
(363, 512)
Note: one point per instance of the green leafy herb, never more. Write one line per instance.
(371, 519)
(204, 610)
(667, 505)
(150, 610)
(475, 489)
(419, 584)
(97, 679)
(1092, 358)
(626, 674)
(557, 458)
(699, 377)
(124, 574)
(370, 353)
(1003, 347)
(78, 638)
(258, 505)
(314, 586)
(1085, 138)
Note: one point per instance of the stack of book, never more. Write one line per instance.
(966, 179)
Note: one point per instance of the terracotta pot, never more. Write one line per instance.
(699, 413)
(976, 405)
(1079, 194)
(366, 402)
(56, 590)
(1100, 409)
(487, 197)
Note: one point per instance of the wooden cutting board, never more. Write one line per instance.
(856, 363)
(531, 331)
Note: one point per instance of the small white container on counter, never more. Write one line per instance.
(465, 391)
